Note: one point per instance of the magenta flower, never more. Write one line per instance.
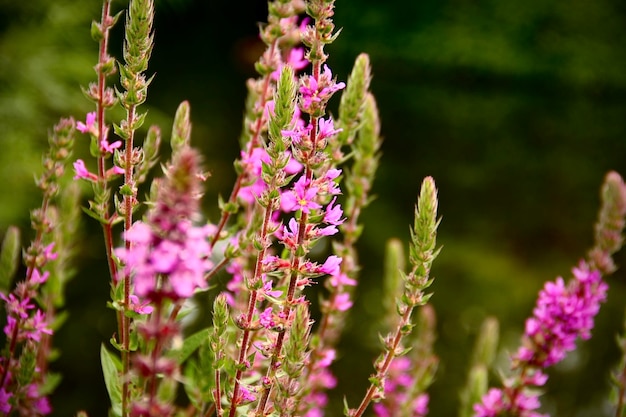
(82, 172)
(109, 148)
(331, 265)
(326, 128)
(341, 279)
(325, 231)
(397, 388)
(268, 289)
(296, 59)
(314, 91)
(301, 197)
(140, 307)
(563, 313)
(298, 134)
(289, 234)
(36, 326)
(333, 213)
(266, 318)
(184, 260)
(342, 302)
(492, 404)
(16, 306)
(5, 396)
(88, 126)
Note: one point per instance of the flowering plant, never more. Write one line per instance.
(291, 222)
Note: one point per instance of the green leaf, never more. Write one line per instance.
(9, 257)
(190, 345)
(111, 369)
(51, 381)
(94, 215)
(96, 32)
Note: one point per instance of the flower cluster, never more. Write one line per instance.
(291, 222)
(26, 325)
(399, 381)
(167, 257)
(168, 244)
(563, 314)
(182, 256)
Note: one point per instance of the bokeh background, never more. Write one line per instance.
(516, 107)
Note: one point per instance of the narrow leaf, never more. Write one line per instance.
(190, 345)
(9, 258)
(112, 379)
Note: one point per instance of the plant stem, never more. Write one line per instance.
(243, 352)
(254, 142)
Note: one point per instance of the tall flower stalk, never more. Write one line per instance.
(563, 314)
(31, 306)
(292, 220)
(422, 253)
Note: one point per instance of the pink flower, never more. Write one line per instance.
(296, 59)
(326, 128)
(341, 279)
(16, 306)
(342, 302)
(325, 231)
(315, 92)
(298, 134)
(245, 395)
(491, 404)
(266, 318)
(89, 124)
(333, 213)
(331, 266)
(289, 234)
(420, 405)
(109, 148)
(183, 258)
(267, 289)
(300, 198)
(562, 314)
(37, 325)
(5, 396)
(82, 172)
(328, 357)
(138, 306)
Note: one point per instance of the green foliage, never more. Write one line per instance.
(111, 367)
(9, 258)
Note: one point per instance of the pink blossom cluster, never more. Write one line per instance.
(563, 314)
(90, 126)
(183, 257)
(26, 325)
(398, 384)
(316, 90)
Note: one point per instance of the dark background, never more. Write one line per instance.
(517, 108)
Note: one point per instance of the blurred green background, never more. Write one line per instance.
(517, 108)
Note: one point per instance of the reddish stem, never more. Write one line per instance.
(254, 142)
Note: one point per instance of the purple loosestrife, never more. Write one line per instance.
(422, 252)
(304, 223)
(31, 305)
(563, 314)
(282, 36)
(167, 261)
(398, 382)
(361, 119)
(409, 376)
